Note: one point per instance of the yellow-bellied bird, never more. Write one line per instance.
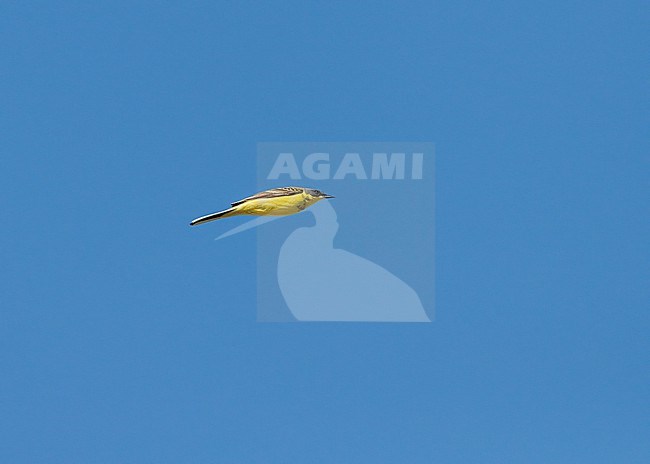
(275, 202)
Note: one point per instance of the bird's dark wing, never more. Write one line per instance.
(273, 193)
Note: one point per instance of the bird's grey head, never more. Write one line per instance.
(318, 194)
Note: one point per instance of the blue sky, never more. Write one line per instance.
(126, 336)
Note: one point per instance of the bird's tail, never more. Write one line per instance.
(213, 216)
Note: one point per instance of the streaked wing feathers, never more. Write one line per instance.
(273, 193)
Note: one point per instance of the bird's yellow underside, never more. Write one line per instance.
(280, 206)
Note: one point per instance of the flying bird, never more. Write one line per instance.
(275, 202)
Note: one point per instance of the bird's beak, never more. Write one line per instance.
(325, 195)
